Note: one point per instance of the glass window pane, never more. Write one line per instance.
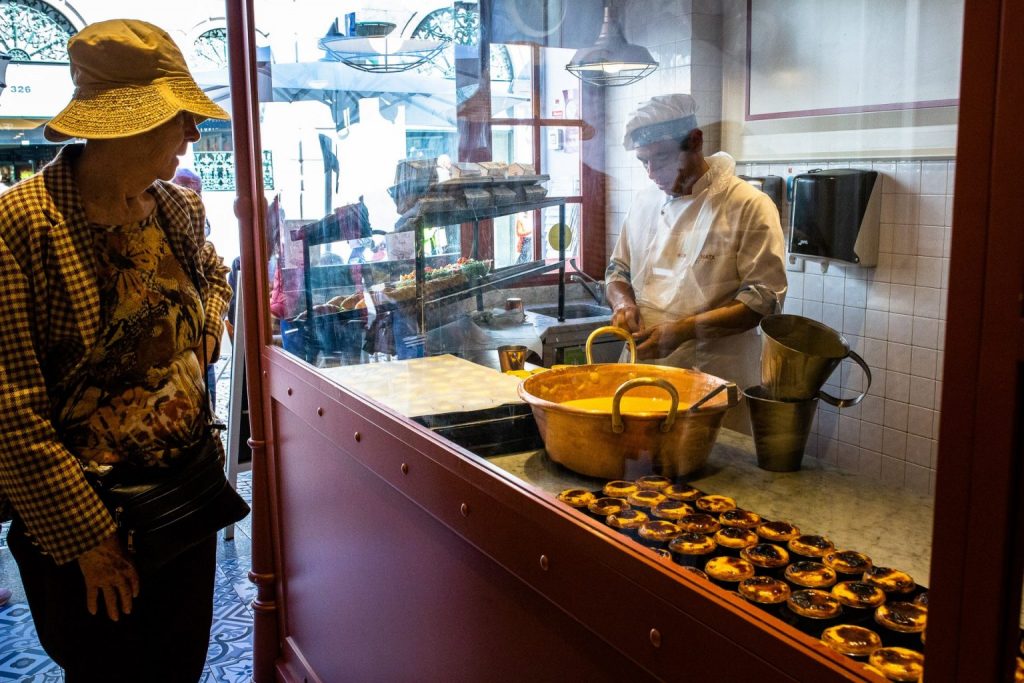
(561, 90)
(550, 233)
(511, 81)
(560, 159)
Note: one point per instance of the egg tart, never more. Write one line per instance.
(858, 595)
(688, 548)
(699, 523)
(764, 590)
(696, 572)
(811, 603)
(682, 492)
(672, 510)
(853, 641)
(904, 617)
(922, 599)
(766, 556)
(577, 498)
(848, 562)
(627, 520)
(740, 518)
(618, 488)
(890, 580)
(810, 546)
(645, 498)
(716, 504)
(1018, 672)
(898, 663)
(810, 574)
(662, 553)
(607, 506)
(777, 532)
(728, 569)
(735, 539)
(658, 531)
(653, 483)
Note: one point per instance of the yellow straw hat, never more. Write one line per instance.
(129, 78)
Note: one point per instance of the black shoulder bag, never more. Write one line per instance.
(161, 512)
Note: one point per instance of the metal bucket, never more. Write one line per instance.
(780, 429)
(610, 445)
(798, 355)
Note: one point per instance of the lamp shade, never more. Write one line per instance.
(612, 61)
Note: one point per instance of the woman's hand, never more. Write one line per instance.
(107, 570)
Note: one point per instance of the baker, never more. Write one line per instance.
(700, 258)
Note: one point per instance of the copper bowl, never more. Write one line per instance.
(609, 445)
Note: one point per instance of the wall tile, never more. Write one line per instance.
(926, 332)
(940, 343)
(813, 287)
(833, 289)
(919, 421)
(883, 271)
(930, 239)
(926, 302)
(933, 177)
(908, 176)
(901, 328)
(919, 450)
(812, 309)
(905, 209)
(922, 392)
(832, 315)
(793, 306)
(897, 386)
(848, 457)
(922, 362)
(901, 300)
(940, 359)
(872, 410)
(885, 236)
(898, 357)
(887, 169)
(950, 177)
(878, 296)
(871, 436)
(853, 320)
(795, 281)
(828, 424)
(893, 472)
(849, 429)
(894, 443)
(932, 209)
(870, 464)
(904, 270)
(876, 324)
(828, 451)
(929, 272)
(875, 353)
(904, 239)
(877, 382)
(896, 413)
(856, 292)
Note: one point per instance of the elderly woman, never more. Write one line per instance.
(109, 311)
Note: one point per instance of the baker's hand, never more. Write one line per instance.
(627, 316)
(658, 341)
(107, 570)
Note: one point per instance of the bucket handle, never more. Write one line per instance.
(618, 332)
(849, 402)
(733, 395)
(617, 426)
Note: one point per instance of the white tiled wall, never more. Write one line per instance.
(894, 316)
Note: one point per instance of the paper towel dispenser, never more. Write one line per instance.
(836, 216)
(771, 185)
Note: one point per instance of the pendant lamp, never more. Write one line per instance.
(611, 61)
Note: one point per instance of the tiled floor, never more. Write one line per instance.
(230, 656)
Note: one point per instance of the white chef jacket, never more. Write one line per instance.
(689, 254)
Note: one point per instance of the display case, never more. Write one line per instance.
(386, 307)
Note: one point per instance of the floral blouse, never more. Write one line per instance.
(140, 399)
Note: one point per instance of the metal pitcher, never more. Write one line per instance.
(798, 355)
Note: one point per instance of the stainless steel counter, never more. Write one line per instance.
(893, 526)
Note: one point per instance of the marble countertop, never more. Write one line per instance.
(893, 526)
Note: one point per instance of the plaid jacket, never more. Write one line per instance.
(48, 325)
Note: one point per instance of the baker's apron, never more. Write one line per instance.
(668, 287)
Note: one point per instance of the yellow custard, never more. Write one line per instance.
(628, 404)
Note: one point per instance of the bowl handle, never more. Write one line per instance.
(617, 426)
(618, 332)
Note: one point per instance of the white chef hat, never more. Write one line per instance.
(663, 117)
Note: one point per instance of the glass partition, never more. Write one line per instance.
(424, 218)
